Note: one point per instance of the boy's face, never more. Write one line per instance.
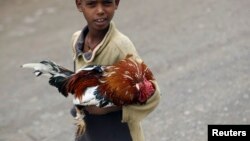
(98, 13)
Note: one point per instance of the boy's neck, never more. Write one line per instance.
(96, 35)
(93, 38)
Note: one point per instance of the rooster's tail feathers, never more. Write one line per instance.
(47, 68)
(60, 83)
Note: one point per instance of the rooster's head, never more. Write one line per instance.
(146, 90)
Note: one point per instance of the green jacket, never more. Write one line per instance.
(114, 47)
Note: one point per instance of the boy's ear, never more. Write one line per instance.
(117, 3)
(78, 5)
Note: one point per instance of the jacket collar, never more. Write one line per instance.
(80, 41)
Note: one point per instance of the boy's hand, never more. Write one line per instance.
(101, 111)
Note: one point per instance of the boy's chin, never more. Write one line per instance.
(101, 26)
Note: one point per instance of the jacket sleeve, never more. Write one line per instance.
(136, 112)
(73, 42)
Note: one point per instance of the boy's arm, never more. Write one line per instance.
(131, 113)
(101, 111)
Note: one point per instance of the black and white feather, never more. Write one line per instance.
(48, 68)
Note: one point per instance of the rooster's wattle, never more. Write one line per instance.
(126, 82)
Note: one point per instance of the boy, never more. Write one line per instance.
(101, 43)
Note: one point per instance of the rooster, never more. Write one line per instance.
(126, 82)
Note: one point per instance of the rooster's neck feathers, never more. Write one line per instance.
(120, 80)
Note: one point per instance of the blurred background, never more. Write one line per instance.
(198, 50)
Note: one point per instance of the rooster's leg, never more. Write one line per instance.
(80, 123)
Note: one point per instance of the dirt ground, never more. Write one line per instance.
(198, 50)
